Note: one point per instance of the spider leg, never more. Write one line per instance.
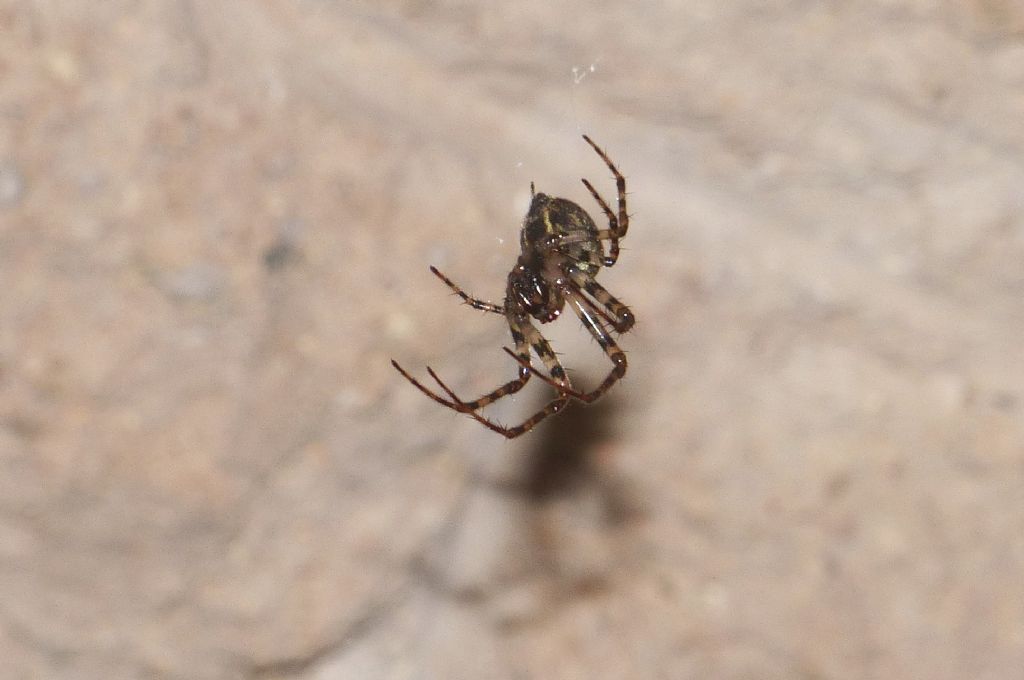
(557, 374)
(554, 406)
(511, 387)
(471, 301)
(622, 318)
(525, 336)
(551, 408)
(585, 311)
(592, 261)
(614, 322)
(615, 313)
(618, 224)
(464, 408)
(457, 404)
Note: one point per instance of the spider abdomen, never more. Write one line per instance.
(559, 227)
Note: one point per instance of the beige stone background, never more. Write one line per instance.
(215, 226)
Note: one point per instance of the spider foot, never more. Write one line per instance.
(457, 403)
(462, 407)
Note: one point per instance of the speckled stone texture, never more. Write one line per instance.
(215, 226)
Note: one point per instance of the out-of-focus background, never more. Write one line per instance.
(215, 226)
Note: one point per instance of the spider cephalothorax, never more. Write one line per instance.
(562, 251)
(529, 290)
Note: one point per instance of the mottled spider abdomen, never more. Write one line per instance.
(552, 222)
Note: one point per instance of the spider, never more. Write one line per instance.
(561, 254)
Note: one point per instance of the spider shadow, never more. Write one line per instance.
(563, 461)
(580, 504)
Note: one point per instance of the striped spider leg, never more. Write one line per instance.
(618, 224)
(525, 336)
(588, 313)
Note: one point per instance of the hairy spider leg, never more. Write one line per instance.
(540, 345)
(586, 311)
(617, 315)
(558, 376)
(612, 233)
(552, 408)
(620, 224)
(621, 318)
(471, 301)
(511, 387)
(526, 338)
(425, 390)
(596, 260)
(461, 407)
(604, 314)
